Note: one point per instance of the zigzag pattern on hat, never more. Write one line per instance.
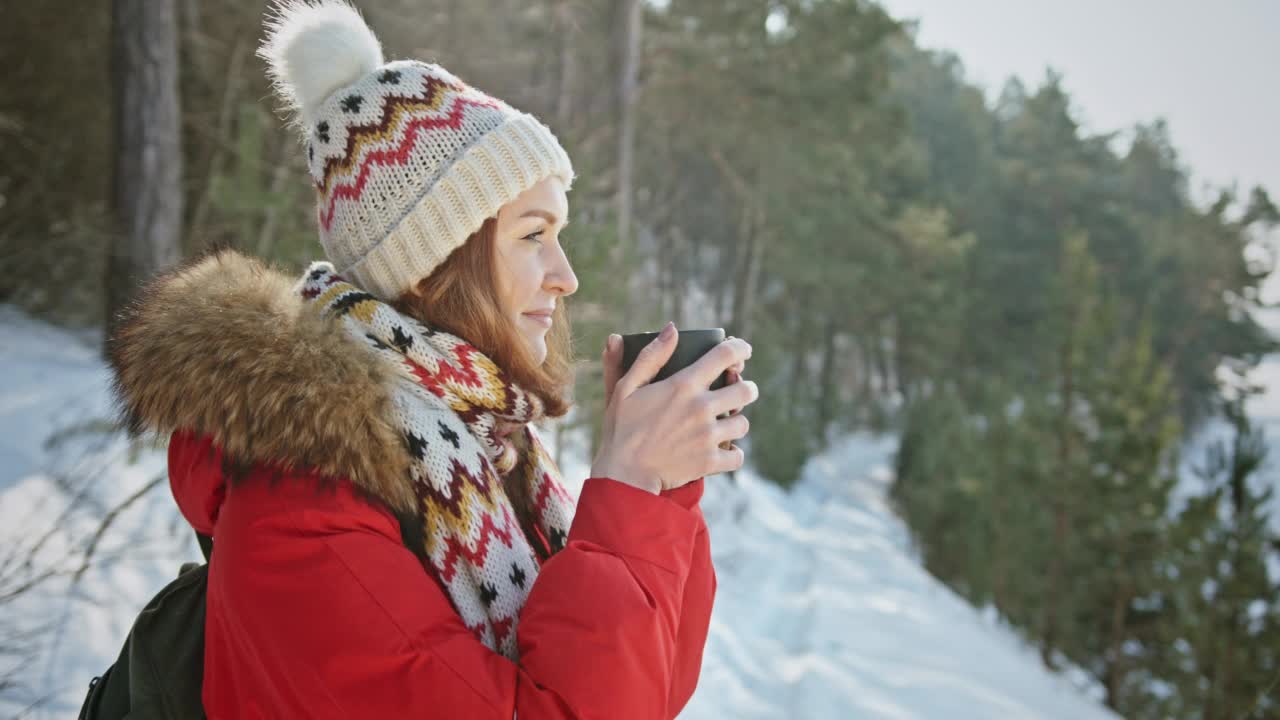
(381, 147)
(394, 108)
(408, 160)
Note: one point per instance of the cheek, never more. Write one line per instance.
(520, 278)
(526, 281)
(510, 279)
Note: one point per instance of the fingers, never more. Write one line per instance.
(732, 397)
(738, 367)
(734, 427)
(723, 356)
(728, 426)
(649, 361)
(611, 359)
(726, 459)
(734, 377)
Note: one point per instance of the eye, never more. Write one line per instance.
(533, 237)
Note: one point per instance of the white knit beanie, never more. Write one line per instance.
(408, 160)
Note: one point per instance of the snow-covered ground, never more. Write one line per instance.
(823, 610)
(61, 469)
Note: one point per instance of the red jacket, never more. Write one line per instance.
(316, 609)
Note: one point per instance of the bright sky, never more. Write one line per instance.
(1210, 69)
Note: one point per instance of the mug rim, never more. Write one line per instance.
(678, 331)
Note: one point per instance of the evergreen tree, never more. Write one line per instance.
(1218, 606)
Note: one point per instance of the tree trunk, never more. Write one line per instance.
(631, 16)
(1115, 660)
(901, 359)
(193, 39)
(221, 149)
(271, 220)
(798, 380)
(679, 274)
(1057, 550)
(864, 381)
(751, 224)
(1000, 536)
(147, 173)
(735, 274)
(826, 391)
(745, 306)
(880, 356)
(567, 67)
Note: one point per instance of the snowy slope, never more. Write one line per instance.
(822, 612)
(59, 473)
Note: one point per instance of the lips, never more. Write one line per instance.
(542, 317)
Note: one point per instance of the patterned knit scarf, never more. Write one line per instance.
(446, 400)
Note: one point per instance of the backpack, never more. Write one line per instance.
(160, 671)
(161, 668)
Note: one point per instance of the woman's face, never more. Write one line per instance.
(532, 269)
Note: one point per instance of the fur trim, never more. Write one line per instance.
(224, 346)
(315, 47)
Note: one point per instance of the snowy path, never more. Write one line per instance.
(823, 612)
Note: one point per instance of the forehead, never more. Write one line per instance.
(547, 196)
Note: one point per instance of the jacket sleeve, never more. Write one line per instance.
(695, 608)
(612, 622)
(601, 634)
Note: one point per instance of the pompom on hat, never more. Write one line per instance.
(408, 161)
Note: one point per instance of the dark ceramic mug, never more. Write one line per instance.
(692, 345)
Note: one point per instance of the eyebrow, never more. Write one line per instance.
(544, 215)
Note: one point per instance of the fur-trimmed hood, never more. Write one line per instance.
(225, 347)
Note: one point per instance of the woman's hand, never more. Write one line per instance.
(659, 436)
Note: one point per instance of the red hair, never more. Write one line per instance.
(461, 297)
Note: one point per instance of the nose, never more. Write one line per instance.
(560, 278)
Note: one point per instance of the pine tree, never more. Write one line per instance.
(1219, 607)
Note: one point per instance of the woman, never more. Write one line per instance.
(391, 539)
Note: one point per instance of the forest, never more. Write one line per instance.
(1044, 316)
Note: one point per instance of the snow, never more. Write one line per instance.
(59, 472)
(823, 609)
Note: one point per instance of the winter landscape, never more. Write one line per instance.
(822, 610)
(1008, 269)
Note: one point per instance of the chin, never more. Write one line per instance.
(536, 346)
(540, 353)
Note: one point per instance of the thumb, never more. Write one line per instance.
(648, 362)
